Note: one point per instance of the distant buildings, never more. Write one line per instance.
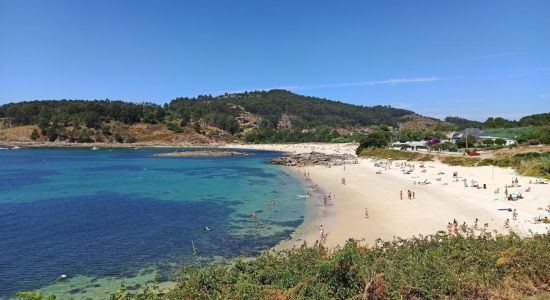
(480, 136)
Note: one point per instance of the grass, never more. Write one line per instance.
(460, 161)
(509, 133)
(532, 163)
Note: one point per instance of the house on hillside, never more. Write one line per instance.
(473, 132)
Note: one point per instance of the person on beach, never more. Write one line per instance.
(366, 213)
(507, 223)
(321, 232)
(413, 195)
(401, 194)
(449, 228)
(325, 200)
(475, 223)
(515, 215)
(455, 226)
(343, 181)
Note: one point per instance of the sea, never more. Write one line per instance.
(116, 216)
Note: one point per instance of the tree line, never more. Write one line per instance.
(305, 118)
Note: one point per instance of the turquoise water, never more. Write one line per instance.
(116, 216)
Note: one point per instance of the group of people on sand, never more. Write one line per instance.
(328, 198)
(410, 195)
(452, 228)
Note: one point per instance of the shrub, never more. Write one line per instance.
(379, 139)
(500, 142)
(175, 128)
(34, 135)
(460, 161)
(460, 267)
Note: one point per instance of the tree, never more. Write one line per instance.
(197, 127)
(466, 142)
(500, 142)
(52, 133)
(119, 138)
(378, 139)
(34, 135)
(489, 142)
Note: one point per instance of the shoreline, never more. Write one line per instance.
(112, 145)
(389, 217)
(445, 198)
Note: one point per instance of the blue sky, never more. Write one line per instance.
(470, 58)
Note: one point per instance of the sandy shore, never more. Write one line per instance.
(433, 206)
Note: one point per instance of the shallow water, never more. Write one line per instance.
(110, 216)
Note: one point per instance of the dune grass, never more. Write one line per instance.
(531, 163)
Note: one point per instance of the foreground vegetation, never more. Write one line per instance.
(468, 266)
(463, 267)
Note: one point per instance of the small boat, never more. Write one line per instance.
(95, 148)
(15, 147)
(62, 277)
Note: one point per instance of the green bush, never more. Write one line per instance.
(462, 267)
(174, 128)
(378, 139)
(460, 161)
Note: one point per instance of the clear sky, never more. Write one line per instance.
(469, 58)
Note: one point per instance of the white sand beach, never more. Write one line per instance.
(434, 205)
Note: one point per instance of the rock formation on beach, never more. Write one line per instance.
(315, 159)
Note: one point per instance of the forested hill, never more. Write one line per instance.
(259, 116)
(270, 109)
(298, 111)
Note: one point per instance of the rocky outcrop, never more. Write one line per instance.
(315, 159)
(200, 153)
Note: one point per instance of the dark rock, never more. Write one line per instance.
(315, 159)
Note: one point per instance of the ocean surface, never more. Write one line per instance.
(111, 216)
